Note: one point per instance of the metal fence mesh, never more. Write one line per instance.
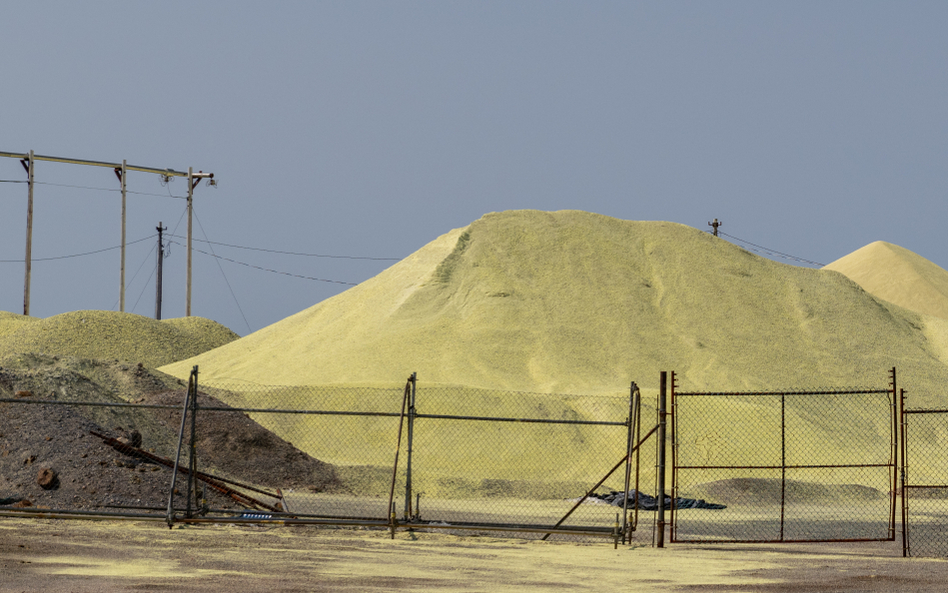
(484, 456)
(477, 459)
(925, 482)
(480, 459)
(350, 431)
(760, 456)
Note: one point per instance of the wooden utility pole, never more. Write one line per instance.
(161, 258)
(121, 170)
(28, 165)
(121, 173)
(193, 180)
(714, 225)
(187, 312)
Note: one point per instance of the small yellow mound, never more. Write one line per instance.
(899, 276)
(11, 321)
(111, 335)
(204, 331)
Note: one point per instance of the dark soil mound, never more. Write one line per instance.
(230, 443)
(91, 474)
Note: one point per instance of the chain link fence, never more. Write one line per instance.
(745, 466)
(925, 482)
(489, 457)
(448, 458)
(765, 458)
(430, 458)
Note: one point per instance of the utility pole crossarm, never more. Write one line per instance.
(28, 160)
(56, 159)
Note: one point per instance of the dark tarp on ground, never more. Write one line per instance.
(650, 503)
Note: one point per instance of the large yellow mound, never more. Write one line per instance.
(111, 335)
(899, 276)
(577, 302)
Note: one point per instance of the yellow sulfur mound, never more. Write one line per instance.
(111, 335)
(899, 276)
(574, 302)
(12, 321)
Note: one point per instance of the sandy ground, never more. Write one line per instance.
(79, 556)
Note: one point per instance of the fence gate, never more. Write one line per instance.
(924, 484)
(789, 466)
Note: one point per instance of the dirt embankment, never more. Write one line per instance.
(91, 474)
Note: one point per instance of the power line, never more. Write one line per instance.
(155, 269)
(268, 269)
(109, 189)
(12, 181)
(773, 251)
(135, 275)
(296, 252)
(20, 261)
(145, 193)
(226, 281)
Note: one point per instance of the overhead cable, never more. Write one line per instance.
(112, 189)
(135, 275)
(295, 252)
(145, 193)
(772, 251)
(226, 281)
(35, 259)
(145, 286)
(109, 189)
(267, 269)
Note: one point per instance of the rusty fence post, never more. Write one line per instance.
(633, 415)
(177, 457)
(411, 432)
(904, 479)
(662, 391)
(192, 450)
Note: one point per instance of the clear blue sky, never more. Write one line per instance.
(370, 128)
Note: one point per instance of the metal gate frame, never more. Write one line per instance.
(783, 467)
(906, 486)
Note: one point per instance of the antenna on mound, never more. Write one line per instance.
(714, 225)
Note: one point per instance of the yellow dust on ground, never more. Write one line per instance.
(67, 556)
(144, 568)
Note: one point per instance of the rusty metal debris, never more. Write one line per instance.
(215, 482)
